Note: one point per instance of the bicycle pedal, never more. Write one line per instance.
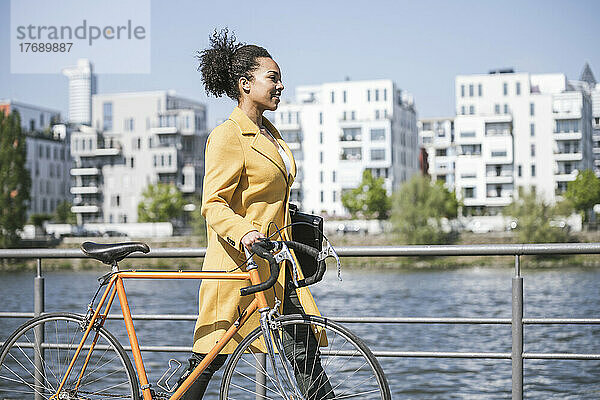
(167, 387)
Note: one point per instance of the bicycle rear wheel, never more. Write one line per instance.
(345, 369)
(36, 356)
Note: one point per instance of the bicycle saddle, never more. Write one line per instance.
(112, 252)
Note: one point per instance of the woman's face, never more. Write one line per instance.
(264, 90)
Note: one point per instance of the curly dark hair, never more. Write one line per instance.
(225, 62)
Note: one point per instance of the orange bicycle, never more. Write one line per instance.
(65, 356)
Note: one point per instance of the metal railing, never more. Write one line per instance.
(517, 355)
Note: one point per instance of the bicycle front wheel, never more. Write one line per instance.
(35, 358)
(344, 369)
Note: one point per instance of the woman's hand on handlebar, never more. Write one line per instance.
(250, 238)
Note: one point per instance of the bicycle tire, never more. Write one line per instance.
(109, 373)
(346, 361)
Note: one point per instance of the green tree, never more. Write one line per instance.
(161, 202)
(418, 209)
(15, 181)
(584, 192)
(534, 217)
(63, 214)
(369, 199)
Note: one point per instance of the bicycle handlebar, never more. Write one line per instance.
(263, 249)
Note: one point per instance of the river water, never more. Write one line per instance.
(468, 292)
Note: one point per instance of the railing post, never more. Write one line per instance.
(261, 377)
(38, 351)
(517, 332)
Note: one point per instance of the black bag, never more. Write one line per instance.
(311, 235)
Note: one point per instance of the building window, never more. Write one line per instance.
(480, 90)
(469, 193)
(129, 124)
(384, 97)
(333, 196)
(322, 196)
(531, 109)
(353, 115)
(532, 170)
(506, 109)
(377, 134)
(496, 108)
(462, 90)
(321, 157)
(132, 162)
(332, 97)
(472, 109)
(320, 118)
(376, 94)
(321, 176)
(344, 96)
(505, 88)
(499, 153)
(377, 154)
(344, 116)
(532, 150)
(532, 129)
(333, 176)
(376, 114)
(520, 171)
(471, 90)
(107, 116)
(567, 126)
(369, 95)
(462, 110)
(518, 88)
(321, 137)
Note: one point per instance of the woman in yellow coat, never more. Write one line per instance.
(249, 170)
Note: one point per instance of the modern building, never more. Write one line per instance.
(48, 159)
(518, 130)
(135, 139)
(338, 130)
(587, 82)
(436, 136)
(82, 85)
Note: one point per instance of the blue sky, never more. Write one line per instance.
(420, 45)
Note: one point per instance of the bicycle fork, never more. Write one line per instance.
(286, 385)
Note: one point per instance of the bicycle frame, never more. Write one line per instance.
(116, 287)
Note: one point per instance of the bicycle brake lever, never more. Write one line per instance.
(329, 251)
(285, 254)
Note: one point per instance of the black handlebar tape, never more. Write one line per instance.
(314, 253)
(262, 249)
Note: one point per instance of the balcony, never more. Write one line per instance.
(85, 171)
(564, 176)
(568, 156)
(164, 130)
(568, 114)
(85, 209)
(498, 200)
(499, 179)
(567, 135)
(107, 151)
(85, 190)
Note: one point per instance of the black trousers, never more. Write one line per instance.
(301, 349)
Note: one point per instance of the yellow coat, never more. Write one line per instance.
(245, 189)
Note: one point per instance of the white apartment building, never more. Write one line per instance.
(136, 139)
(48, 160)
(518, 130)
(436, 136)
(337, 130)
(82, 85)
